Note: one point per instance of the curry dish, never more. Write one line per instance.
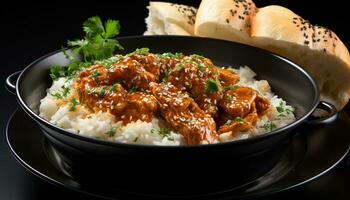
(187, 94)
(194, 96)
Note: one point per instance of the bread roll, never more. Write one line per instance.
(316, 49)
(225, 19)
(170, 19)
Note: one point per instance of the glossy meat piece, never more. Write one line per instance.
(149, 62)
(238, 102)
(125, 106)
(131, 74)
(191, 75)
(242, 107)
(240, 125)
(228, 77)
(95, 75)
(184, 115)
(140, 106)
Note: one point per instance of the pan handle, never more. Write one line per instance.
(330, 118)
(10, 83)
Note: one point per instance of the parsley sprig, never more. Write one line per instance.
(99, 43)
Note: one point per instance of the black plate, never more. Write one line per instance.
(313, 151)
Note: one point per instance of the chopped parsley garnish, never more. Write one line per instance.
(111, 132)
(95, 74)
(269, 126)
(102, 91)
(200, 68)
(211, 86)
(113, 88)
(179, 67)
(132, 90)
(280, 108)
(170, 55)
(74, 102)
(239, 119)
(231, 87)
(60, 94)
(65, 91)
(196, 56)
(57, 71)
(162, 132)
(57, 95)
(140, 51)
(228, 99)
(166, 75)
(88, 91)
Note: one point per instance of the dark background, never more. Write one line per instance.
(29, 31)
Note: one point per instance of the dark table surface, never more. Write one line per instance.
(30, 31)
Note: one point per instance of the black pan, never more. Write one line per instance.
(175, 170)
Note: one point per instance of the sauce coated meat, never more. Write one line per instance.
(184, 115)
(196, 98)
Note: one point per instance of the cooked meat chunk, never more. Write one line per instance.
(140, 106)
(242, 108)
(228, 77)
(131, 74)
(184, 115)
(192, 74)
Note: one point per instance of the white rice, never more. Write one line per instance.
(81, 121)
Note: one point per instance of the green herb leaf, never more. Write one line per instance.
(57, 71)
(99, 42)
(102, 91)
(74, 102)
(162, 132)
(269, 126)
(132, 90)
(280, 108)
(196, 56)
(95, 74)
(239, 119)
(140, 51)
(232, 87)
(93, 26)
(200, 68)
(112, 28)
(57, 95)
(166, 75)
(211, 86)
(65, 91)
(113, 87)
(170, 55)
(179, 67)
(112, 132)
